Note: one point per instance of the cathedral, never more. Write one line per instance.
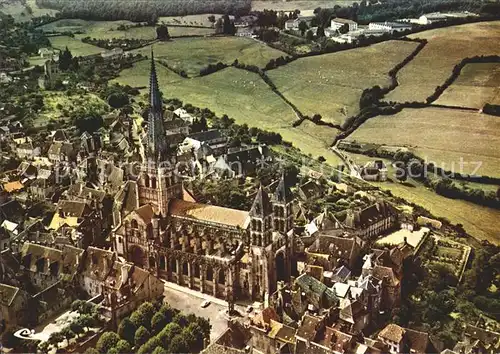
(228, 253)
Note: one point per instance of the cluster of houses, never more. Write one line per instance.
(79, 221)
(346, 31)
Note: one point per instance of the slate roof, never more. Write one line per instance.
(207, 136)
(261, 206)
(370, 215)
(310, 284)
(326, 243)
(209, 213)
(282, 193)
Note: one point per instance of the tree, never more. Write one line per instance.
(159, 350)
(91, 351)
(76, 305)
(158, 322)
(67, 333)
(126, 330)
(198, 341)
(65, 59)
(76, 327)
(143, 315)
(178, 345)
(303, 27)
(107, 341)
(320, 32)
(86, 321)
(162, 33)
(228, 26)
(141, 336)
(123, 346)
(55, 338)
(168, 312)
(181, 320)
(169, 332)
(211, 18)
(118, 100)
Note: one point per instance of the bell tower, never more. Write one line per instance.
(158, 181)
(282, 207)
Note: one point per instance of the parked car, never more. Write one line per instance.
(249, 309)
(205, 303)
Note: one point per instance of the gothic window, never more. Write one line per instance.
(185, 268)
(134, 224)
(54, 268)
(254, 224)
(210, 273)
(146, 180)
(259, 225)
(222, 277)
(162, 262)
(40, 265)
(173, 265)
(153, 182)
(152, 262)
(260, 240)
(196, 270)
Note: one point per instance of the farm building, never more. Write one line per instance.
(337, 23)
(389, 26)
(294, 24)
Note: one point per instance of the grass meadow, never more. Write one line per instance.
(192, 54)
(478, 84)
(446, 47)
(331, 84)
(443, 136)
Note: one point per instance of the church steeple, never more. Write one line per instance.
(154, 91)
(157, 148)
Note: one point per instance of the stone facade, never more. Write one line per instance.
(224, 252)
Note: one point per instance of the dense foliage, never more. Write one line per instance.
(157, 328)
(147, 10)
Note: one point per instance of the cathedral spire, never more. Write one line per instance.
(157, 144)
(154, 91)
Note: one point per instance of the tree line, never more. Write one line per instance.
(142, 10)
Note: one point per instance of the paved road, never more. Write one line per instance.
(190, 301)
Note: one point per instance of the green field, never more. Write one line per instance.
(446, 47)
(189, 20)
(443, 136)
(55, 103)
(327, 84)
(306, 7)
(241, 95)
(477, 84)
(77, 47)
(109, 29)
(22, 13)
(192, 54)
